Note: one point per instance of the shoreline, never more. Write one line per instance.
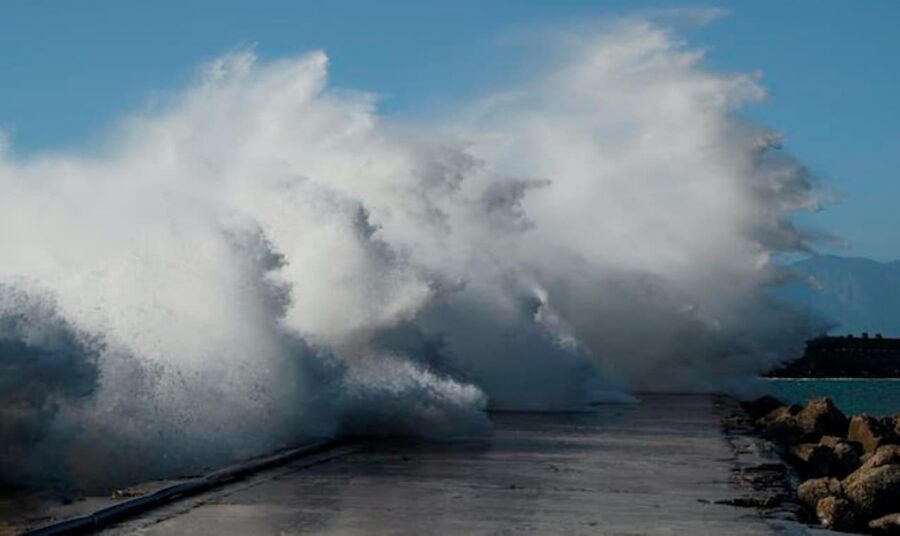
(759, 470)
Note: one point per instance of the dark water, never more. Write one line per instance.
(875, 397)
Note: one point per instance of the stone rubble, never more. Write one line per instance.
(850, 466)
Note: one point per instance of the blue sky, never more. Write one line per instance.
(69, 68)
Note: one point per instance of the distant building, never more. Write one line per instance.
(845, 357)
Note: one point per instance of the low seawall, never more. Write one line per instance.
(663, 466)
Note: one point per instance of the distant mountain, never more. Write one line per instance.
(860, 295)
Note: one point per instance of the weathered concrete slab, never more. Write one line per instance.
(649, 468)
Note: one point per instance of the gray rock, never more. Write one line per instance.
(844, 459)
(832, 456)
(884, 455)
(889, 524)
(821, 417)
(781, 425)
(870, 431)
(836, 513)
(812, 491)
(845, 455)
(812, 459)
(833, 441)
(874, 492)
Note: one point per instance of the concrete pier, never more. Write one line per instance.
(651, 468)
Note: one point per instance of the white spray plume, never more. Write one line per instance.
(267, 259)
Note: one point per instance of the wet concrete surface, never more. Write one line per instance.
(656, 467)
(24, 509)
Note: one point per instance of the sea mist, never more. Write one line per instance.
(266, 259)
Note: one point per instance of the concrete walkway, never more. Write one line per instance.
(649, 468)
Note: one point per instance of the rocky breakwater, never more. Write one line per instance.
(849, 467)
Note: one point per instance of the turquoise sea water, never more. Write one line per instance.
(875, 397)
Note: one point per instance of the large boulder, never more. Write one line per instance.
(871, 432)
(813, 460)
(874, 492)
(884, 455)
(845, 458)
(762, 406)
(889, 524)
(821, 417)
(833, 441)
(781, 425)
(836, 513)
(812, 491)
(845, 455)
